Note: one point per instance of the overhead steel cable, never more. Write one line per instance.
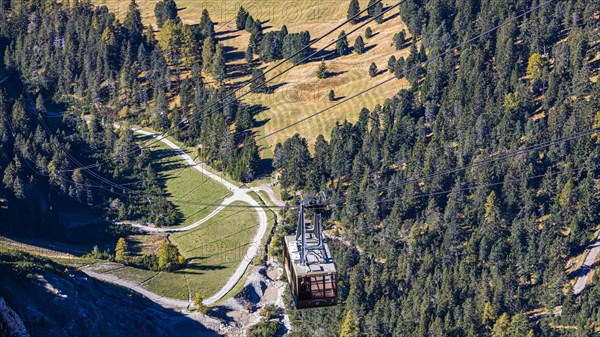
(470, 187)
(159, 137)
(475, 164)
(494, 158)
(449, 50)
(459, 46)
(232, 94)
(69, 156)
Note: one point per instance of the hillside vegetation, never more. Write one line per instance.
(470, 190)
(298, 93)
(470, 181)
(54, 300)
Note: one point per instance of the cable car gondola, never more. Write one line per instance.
(308, 264)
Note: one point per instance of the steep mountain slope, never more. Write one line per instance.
(55, 300)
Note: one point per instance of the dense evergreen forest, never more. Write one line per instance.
(447, 251)
(472, 251)
(106, 71)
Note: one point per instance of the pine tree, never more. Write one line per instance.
(169, 40)
(535, 71)
(392, 64)
(218, 69)
(189, 47)
(353, 10)
(359, 45)
(121, 251)
(207, 27)
(133, 23)
(240, 20)
(249, 55)
(208, 51)
(341, 46)
(373, 70)
(249, 23)
(488, 316)
(377, 12)
(150, 40)
(371, 7)
(322, 70)
(331, 95)
(399, 40)
(161, 112)
(258, 81)
(501, 326)
(368, 32)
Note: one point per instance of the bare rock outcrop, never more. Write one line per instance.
(11, 325)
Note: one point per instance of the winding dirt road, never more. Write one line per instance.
(587, 265)
(239, 194)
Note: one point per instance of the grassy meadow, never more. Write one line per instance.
(298, 93)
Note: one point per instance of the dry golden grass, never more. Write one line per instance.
(299, 93)
(275, 13)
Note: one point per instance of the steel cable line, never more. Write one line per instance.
(466, 188)
(159, 137)
(482, 162)
(69, 156)
(414, 67)
(460, 45)
(231, 94)
(495, 158)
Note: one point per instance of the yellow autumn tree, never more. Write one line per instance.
(168, 256)
(169, 39)
(349, 326)
(198, 303)
(535, 67)
(488, 316)
(596, 126)
(501, 327)
(121, 251)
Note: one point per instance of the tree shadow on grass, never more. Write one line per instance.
(335, 73)
(258, 124)
(225, 38)
(325, 55)
(225, 32)
(369, 47)
(391, 17)
(231, 54)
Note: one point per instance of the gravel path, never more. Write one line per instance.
(587, 264)
(239, 194)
